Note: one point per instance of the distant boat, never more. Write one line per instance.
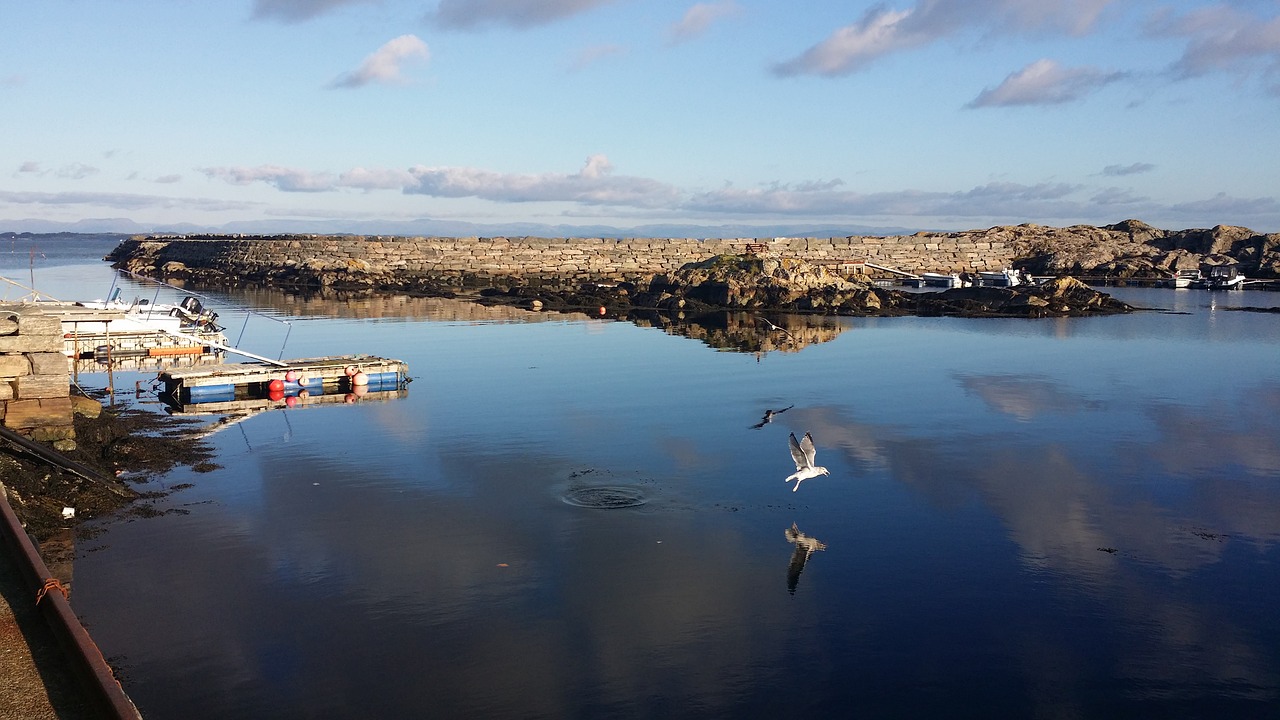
(1003, 278)
(1182, 279)
(942, 280)
(1220, 277)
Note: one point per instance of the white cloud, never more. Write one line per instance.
(376, 179)
(473, 14)
(1117, 196)
(384, 64)
(698, 18)
(285, 179)
(298, 10)
(30, 166)
(1226, 206)
(1223, 38)
(1050, 200)
(1133, 169)
(883, 31)
(592, 55)
(168, 179)
(76, 171)
(593, 185)
(596, 185)
(1044, 82)
(850, 48)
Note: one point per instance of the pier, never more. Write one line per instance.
(242, 387)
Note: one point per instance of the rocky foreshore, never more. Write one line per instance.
(825, 275)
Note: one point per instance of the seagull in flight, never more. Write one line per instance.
(768, 417)
(803, 452)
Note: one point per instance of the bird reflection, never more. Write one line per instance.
(775, 327)
(805, 546)
(768, 417)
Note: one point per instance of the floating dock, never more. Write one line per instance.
(242, 387)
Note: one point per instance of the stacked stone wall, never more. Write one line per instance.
(554, 258)
(35, 382)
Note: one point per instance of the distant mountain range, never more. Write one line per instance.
(441, 228)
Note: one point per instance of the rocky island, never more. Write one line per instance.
(817, 275)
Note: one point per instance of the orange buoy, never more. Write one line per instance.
(291, 376)
(360, 379)
(304, 394)
(351, 370)
(276, 385)
(602, 310)
(291, 401)
(275, 395)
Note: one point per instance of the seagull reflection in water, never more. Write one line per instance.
(768, 417)
(805, 546)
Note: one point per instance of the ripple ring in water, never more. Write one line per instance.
(605, 498)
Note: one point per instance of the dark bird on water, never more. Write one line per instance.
(768, 417)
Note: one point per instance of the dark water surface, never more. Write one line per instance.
(1058, 518)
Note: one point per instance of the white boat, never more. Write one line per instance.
(942, 280)
(1220, 277)
(1182, 279)
(106, 328)
(188, 316)
(1003, 278)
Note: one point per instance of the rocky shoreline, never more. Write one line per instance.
(814, 275)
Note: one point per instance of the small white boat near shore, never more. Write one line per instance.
(1182, 279)
(952, 280)
(1004, 278)
(1220, 277)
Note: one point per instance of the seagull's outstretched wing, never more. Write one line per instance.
(806, 447)
(775, 327)
(803, 459)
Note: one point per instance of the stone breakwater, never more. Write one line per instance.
(1127, 249)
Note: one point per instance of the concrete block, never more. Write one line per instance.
(35, 413)
(32, 323)
(15, 364)
(31, 343)
(44, 386)
(48, 363)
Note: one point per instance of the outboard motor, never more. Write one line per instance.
(191, 305)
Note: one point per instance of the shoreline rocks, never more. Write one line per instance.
(815, 275)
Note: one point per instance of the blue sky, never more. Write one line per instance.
(357, 114)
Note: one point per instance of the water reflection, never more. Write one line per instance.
(745, 332)
(1021, 396)
(455, 534)
(732, 331)
(769, 415)
(805, 546)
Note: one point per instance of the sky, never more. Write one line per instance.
(391, 115)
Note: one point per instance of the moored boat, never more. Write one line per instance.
(1220, 277)
(1003, 278)
(942, 280)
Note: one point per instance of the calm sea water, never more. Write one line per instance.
(1058, 518)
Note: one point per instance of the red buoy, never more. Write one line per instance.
(276, 385)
